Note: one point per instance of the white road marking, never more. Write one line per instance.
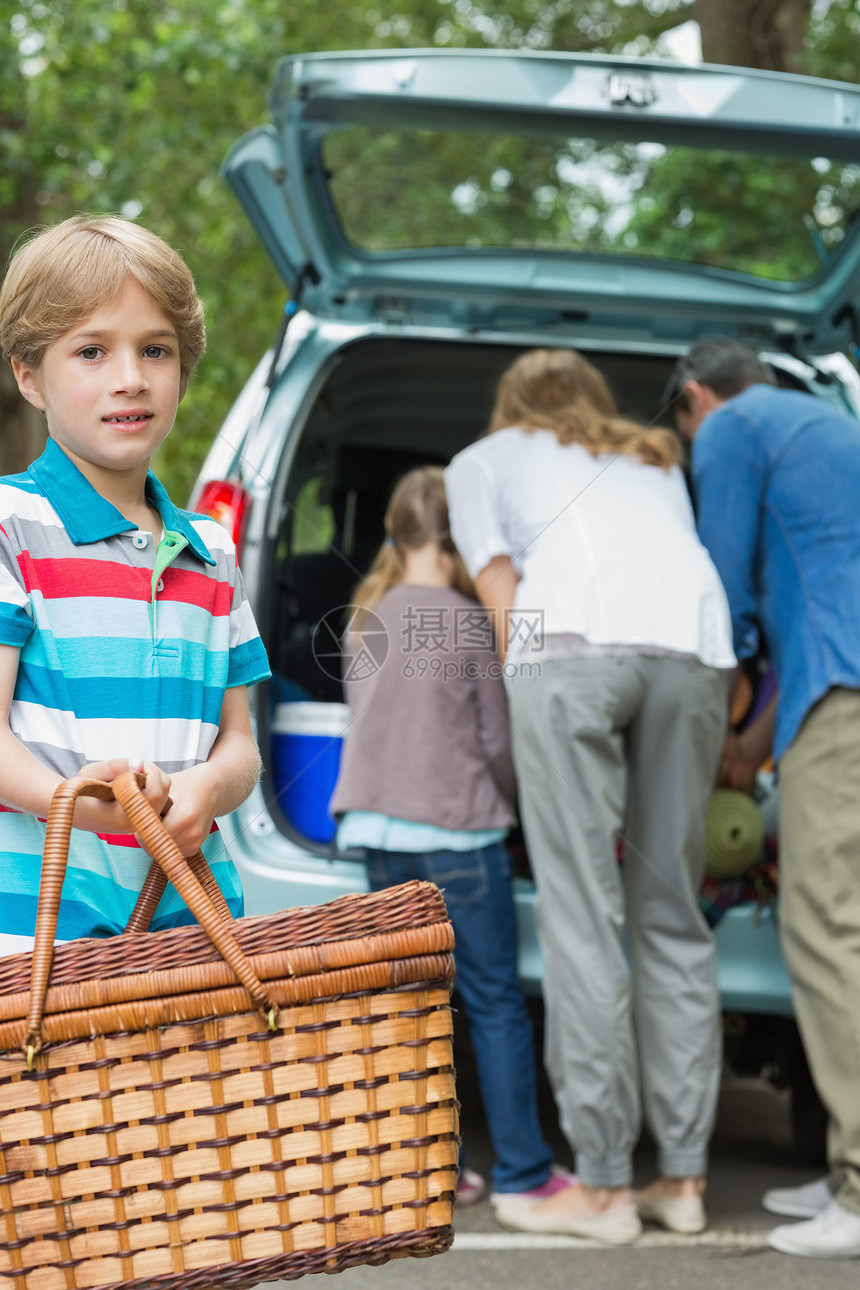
(466, 1242)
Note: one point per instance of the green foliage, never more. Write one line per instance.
(769, 217)
(128, 106)
(833, 41)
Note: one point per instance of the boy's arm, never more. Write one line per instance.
(25, 783)
(221, 783)
(28, 785)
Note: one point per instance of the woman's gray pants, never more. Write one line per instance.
(609, 747)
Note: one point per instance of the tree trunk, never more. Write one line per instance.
(23, 435)
(22, 427)
(754, 33)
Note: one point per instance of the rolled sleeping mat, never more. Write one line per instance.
(734, 833)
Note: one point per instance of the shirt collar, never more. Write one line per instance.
(89, 517)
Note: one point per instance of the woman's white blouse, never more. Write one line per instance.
(605, 547)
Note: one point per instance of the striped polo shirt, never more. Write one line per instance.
(128, 641)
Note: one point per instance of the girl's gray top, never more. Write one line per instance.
(429, 736)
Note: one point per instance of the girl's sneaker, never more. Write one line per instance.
(509, 1206)
(470, 1187)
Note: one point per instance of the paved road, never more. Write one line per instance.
(751, 1151)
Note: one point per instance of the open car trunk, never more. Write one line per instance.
(386, 405)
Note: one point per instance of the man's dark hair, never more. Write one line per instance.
(724, 365)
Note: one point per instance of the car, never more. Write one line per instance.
(433, 214)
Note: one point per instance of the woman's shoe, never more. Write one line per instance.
(684, 1214)
(617, 1226)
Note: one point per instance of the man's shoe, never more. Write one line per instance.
(834, 1234)
(684, 1214)
(509, 1206)
(807, 1201)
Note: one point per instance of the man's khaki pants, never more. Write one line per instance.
(819, 911)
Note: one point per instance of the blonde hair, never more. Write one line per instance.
(559, 390)
(64, 273)
(417, 514)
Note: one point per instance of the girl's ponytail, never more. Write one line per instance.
(385, 572)
(416, 514)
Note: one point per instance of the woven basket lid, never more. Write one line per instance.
(734, 833)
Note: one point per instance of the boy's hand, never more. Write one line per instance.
(189, 820)
(109, 817)
(219, 784)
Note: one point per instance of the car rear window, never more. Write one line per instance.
(771, 217)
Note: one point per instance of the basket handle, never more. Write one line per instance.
(156, 883)
(126, 789)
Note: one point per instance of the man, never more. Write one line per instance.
(777, 480)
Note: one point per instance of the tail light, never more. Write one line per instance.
(227, 503)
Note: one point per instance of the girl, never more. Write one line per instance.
(427, 789)
(618, 708)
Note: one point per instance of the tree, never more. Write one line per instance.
(131, 107)
(23, 428)
(748, 33)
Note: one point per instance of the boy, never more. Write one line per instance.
(126, 638)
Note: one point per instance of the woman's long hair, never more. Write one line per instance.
(559, 390)
(417, 514)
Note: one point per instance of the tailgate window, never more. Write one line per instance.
(774, 217)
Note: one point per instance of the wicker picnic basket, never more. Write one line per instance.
(228, 1103)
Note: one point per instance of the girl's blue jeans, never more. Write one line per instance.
(477, 888)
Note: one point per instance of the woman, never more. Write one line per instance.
(578, 532)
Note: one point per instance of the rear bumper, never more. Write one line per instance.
(278, 874)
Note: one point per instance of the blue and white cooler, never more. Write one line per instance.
(307, 739)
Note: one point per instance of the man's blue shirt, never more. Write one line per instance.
(777, 481)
